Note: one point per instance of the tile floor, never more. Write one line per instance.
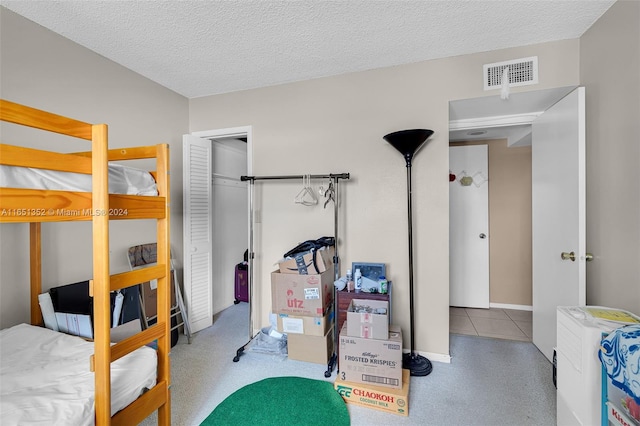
(508, 324)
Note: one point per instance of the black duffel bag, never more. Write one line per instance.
(309, 246)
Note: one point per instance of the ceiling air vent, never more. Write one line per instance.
(522, 72)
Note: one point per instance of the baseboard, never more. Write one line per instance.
(446, 358)
(510, 306)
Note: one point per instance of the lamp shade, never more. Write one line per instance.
(408, 141)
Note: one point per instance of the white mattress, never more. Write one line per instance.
(45, 378)
(122, 180)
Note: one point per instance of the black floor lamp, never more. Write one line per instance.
(408, 142)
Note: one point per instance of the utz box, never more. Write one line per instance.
(394, 401)
(371, 361)
(303, 264)
(368, 319)
(316, 349)
(311, 326)
(306, 295)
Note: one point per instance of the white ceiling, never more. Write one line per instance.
(200, 48)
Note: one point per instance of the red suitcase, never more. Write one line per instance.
(241, 283)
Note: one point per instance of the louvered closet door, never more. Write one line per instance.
(197, 163)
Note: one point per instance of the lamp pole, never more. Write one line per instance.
(408, 142)
(410, 233)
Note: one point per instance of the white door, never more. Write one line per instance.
(197, 230)
(558, 217)
(469, 227)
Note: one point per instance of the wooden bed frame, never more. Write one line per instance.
(36, 206)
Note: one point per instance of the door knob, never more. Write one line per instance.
(567, 256)
(588, 257)
(482, 236)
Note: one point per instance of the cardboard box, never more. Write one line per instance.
(371, 361)
(618, 417)
(620, 406)
(324, 261)
(150, 297)
(394, 401)
(368, 325)
(316, 349)
(305, 295)
(311, 326)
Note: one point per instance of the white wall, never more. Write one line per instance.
(610, 70)
(336, 124)
(46, 71)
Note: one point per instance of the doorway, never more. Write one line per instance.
(508, 238)
(490, 118)
(228, 216)
(221, 218)
(506, 234)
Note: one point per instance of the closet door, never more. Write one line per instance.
(197, 161)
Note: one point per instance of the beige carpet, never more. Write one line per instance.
(489, 381)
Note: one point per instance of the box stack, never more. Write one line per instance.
(303, 304)
(370, 359)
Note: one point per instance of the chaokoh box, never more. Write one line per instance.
(394, 401)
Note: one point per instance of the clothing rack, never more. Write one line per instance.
(335, 178)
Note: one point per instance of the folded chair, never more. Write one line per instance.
(142, 256)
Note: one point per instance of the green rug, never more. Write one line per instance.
(282, 401)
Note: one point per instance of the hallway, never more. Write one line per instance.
(498, 323)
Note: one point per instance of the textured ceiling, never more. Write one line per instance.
(199, 48)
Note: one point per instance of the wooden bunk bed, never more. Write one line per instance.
(35, 206)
